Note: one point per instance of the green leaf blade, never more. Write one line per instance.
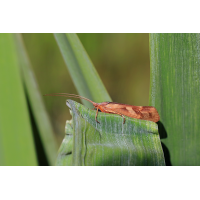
(82, 71)
(175, 92)
(111, 142)
(65, 151)
(36, 104)
(16, 139)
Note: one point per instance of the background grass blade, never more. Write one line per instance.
(36, 104)
(111, 142)
(16, 137)
(82, 71)
(175, 92)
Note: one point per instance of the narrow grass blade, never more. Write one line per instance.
(111, 142)
(82, 71)
(36, 103)
(175, 92)
(16, 137)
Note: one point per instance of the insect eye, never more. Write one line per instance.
(67, 103)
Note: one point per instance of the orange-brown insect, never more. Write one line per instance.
(139, 112)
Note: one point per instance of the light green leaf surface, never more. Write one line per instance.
(111, 142)
(175, 92)
(16, 137)
(65, 152)
(36, 103)
(82, 71)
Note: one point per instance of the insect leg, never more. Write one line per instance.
(122, 116)
(96, 116)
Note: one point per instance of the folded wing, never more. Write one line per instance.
(139, 112)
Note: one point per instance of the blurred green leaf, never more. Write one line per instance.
(36, 103)
(16, 137)
(111, 142)
(175, 92)
(82, 71)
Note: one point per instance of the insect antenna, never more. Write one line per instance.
(70, 95)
